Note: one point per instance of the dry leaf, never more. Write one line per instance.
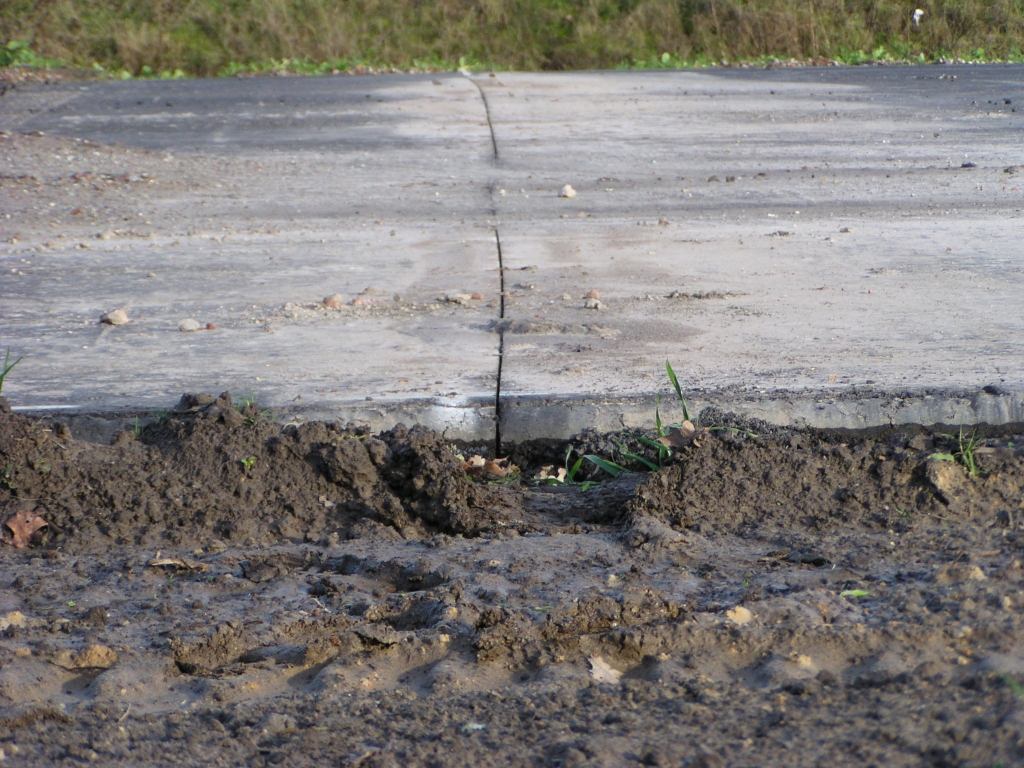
(24, 527)
(177, 563)
(683, 435)
(488, 469)
(549, 473)
(601, 671)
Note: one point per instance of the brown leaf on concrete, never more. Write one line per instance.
(683, 435)
(24, 527)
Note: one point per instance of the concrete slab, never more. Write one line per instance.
(778, 236)
(828, 247)
(248, 204)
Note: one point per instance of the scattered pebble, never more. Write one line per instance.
(189, 325)
(592, 294)
(115, 317)
(593, 304)
(567, 191)
(663, 222)
(477, 296)
(566, 297)
(461, 299)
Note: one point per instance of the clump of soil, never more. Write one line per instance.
(731, 484)
(215, 471)
(221, 589)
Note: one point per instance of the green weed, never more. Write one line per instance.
(966, 453)
(248, 463)
(1014, 685)
(568, 477)
(6, 479)
(17, 53)
(855, 593)
(8, 365)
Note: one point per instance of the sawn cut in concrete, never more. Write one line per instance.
(827, 247)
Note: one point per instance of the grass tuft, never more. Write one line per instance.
(8, 365)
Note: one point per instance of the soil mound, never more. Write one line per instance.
(212, 470)
(729, 485)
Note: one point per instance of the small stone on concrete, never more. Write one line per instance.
(567, 191)
(334, 301)
(190, 325)
(593, 304)
(115, 317)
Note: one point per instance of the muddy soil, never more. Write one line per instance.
(218, 589)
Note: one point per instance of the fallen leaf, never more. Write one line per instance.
(602, 671)
(24, 527)
(488, 469)
(550, 473)
(177, 563)
(683, 435)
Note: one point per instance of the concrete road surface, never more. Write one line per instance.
(826, 246)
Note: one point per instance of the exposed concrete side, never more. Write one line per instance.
(539, 417)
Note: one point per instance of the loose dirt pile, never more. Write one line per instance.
(219, 589)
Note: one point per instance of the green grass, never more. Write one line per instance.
(965, 452)
(157, 38)
(8, 365)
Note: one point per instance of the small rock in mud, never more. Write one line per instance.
(958, 573)
(739, 615)
(90, 657)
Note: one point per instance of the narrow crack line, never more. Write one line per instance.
(501, 345)
(487, 111)
(501, 273)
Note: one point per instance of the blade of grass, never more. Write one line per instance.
(8, 365)
(679, 391)
(610, 467)
(657, 414)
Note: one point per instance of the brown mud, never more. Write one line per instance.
(219, 589)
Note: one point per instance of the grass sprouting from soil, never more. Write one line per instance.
(152, 38)
(965, 452)
(8, 365)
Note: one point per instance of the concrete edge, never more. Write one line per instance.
(468, 419)
(559, 417)
(532, 417)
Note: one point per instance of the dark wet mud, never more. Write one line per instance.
(218, 589)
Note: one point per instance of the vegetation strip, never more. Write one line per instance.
(204, 38)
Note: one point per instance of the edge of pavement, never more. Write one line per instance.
(522, 418)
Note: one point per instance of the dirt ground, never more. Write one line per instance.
(215, 588)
